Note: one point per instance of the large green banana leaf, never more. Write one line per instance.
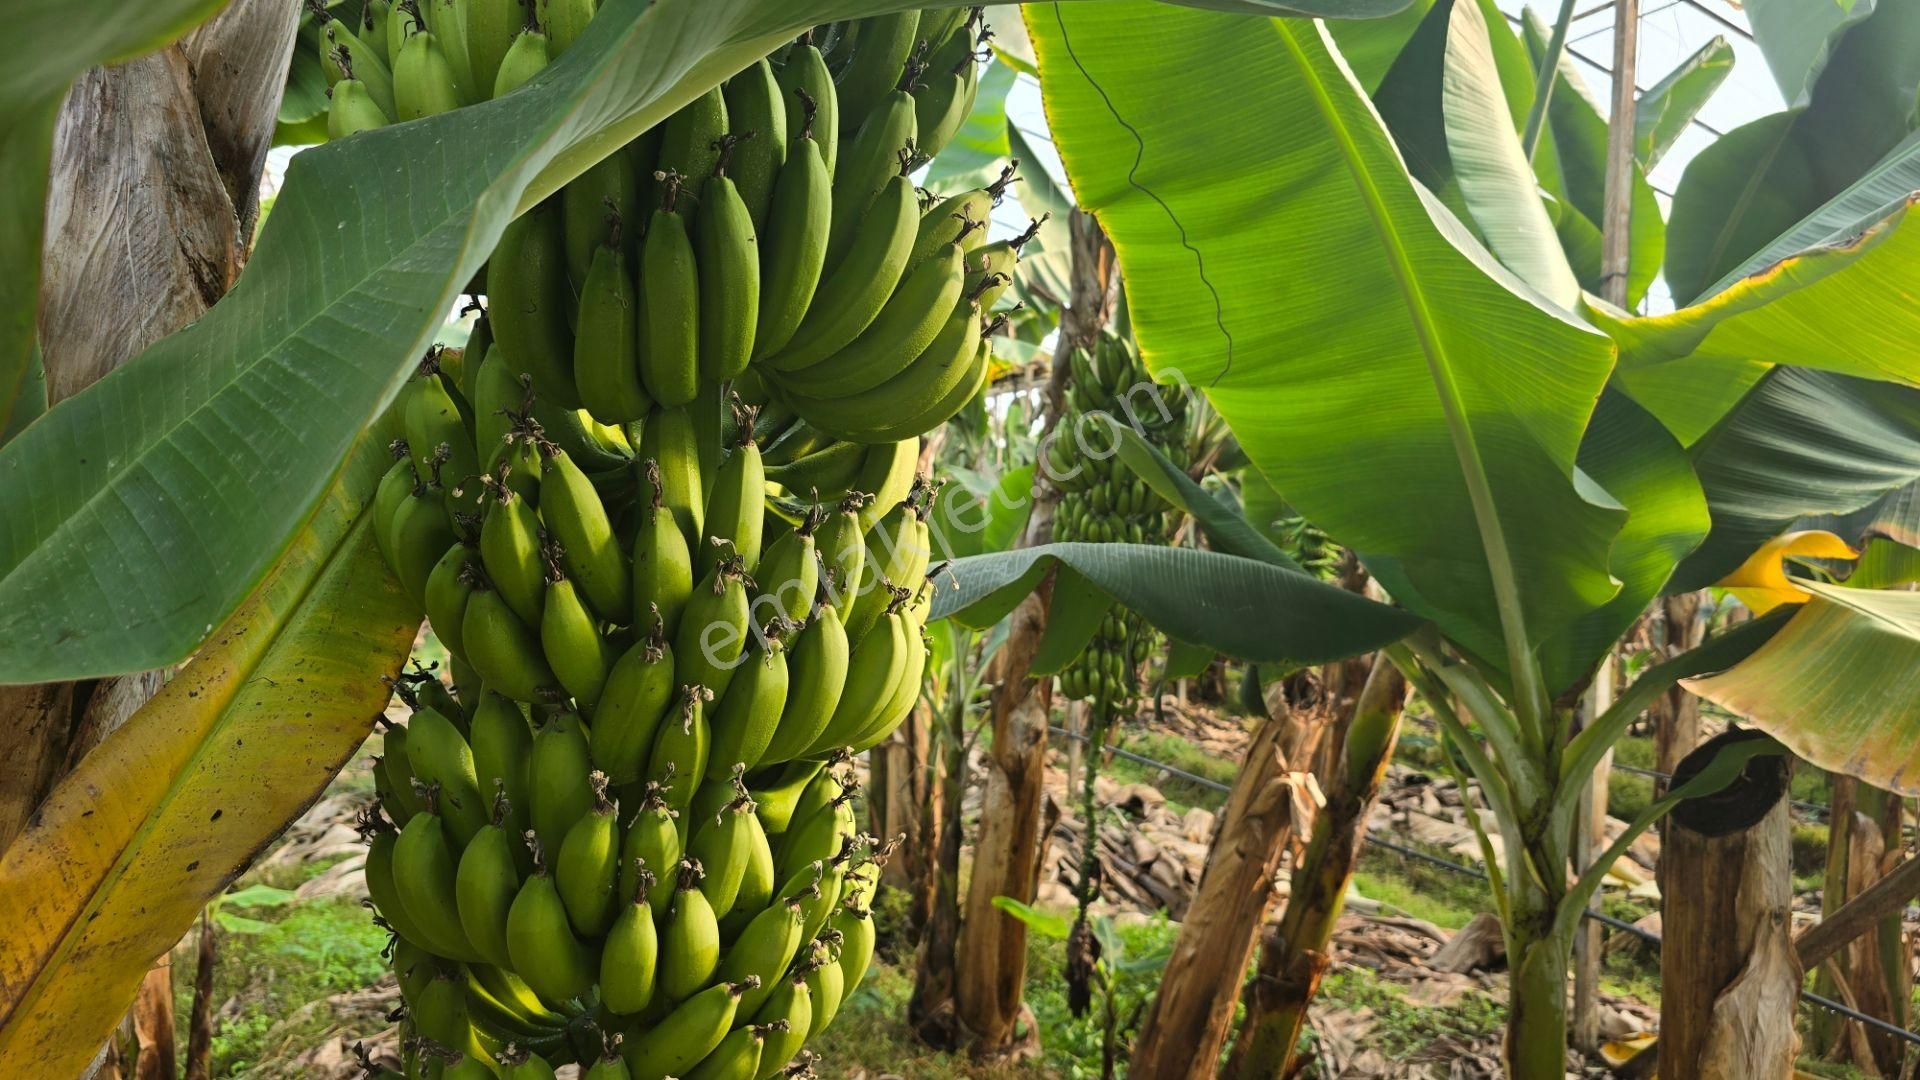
(1754, 183)
(1797, 38)
(1233, 605)
(143, 510)
(164, 813)
(1400, 388)
(1839, 684)
(1370, 46)
(53, 44)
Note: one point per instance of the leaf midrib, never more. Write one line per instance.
(1479, 493)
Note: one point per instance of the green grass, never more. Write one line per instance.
(306, 953)
(1404, 1030)
(1418, 888)
(1173, 750)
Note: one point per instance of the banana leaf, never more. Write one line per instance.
(162, 815)
(1241, 607)
(1668, 106)
(1279, 257)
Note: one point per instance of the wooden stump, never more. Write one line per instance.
(1729, 977)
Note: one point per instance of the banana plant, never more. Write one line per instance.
(1517, 464)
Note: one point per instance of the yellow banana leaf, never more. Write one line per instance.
(1839, 684)
(173, 806)
(1762, 583)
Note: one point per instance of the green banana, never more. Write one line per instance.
(905, 693)
(720, 847)
(686, 1035)
(423, 83)
(687, 142)
(433, 420)
(887, 475)
(853, 292)
(756, 113)
(501, 743)
(825, 474)
(744, 720)
(662, 562)
(565, 20)
(816, 838)
(606, 362)
(789, 574)
(529, 303)
(571, 641)
(950, 83)
(519, 1063)
(826, 986)
(449, 20)
(843, 548)
(510, 550)
(504, 651)
(886, 42)
(413, 966)
(792, 1005)
(558, 767)
(737, 1057)
(594, 208)
(909, 322)
(576, 517)
(679, 756)
(513, 993)
(486, 883)
(437, 754)
(439, 1011)
(352, 109)
(526, 57)
(398, 793)
(366, 64)
(630, 957)
(817, 677)
(794, 249)
(385, 894)
(727, 251)
(374, 21)
(856, 949)
(928, 381)
(713, 629)
(874, 670)
(423, 880)
(396, 485)
(959, 219)
(736, 511)
(899, 547)
(775, 798)
(763, 950)
(446, 593)
(690, 940)
(421, 534)
(491, 26)
(638, 692)
(882, 150)
(588, 864)
(544, 951)
(756, 884)
(653, 839)
(812, 101)
(611, 1065)
(972, 380)
(500, 399)
(669, 303)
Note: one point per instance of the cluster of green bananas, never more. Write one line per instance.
(654, 688)
(1310, 546)
(1103, 501)
(766, 235)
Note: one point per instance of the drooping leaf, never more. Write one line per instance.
(1226, 528)
(1279, 255)
(1894, 516)
(1758, 180)
(1842, 308)
(163, 814)
(1240, 607)
(1074, 613)
(1802, 443)
(1839, 684)
(1668, 106)
(1762, 582)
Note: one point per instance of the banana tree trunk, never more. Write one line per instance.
(931, 1009)
(1008, 853)
(903, 783)
(1729, 975)
(150, 211)
(1871, 972)
(1294, 956)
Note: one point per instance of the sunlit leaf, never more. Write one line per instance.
(1668, 106)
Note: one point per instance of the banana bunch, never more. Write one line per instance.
(1103, 501)
(767, 234)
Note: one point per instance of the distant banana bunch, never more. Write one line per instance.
(624, 837)
(1104, 501)
(767, 234)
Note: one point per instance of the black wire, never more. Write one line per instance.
(1468, 871)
